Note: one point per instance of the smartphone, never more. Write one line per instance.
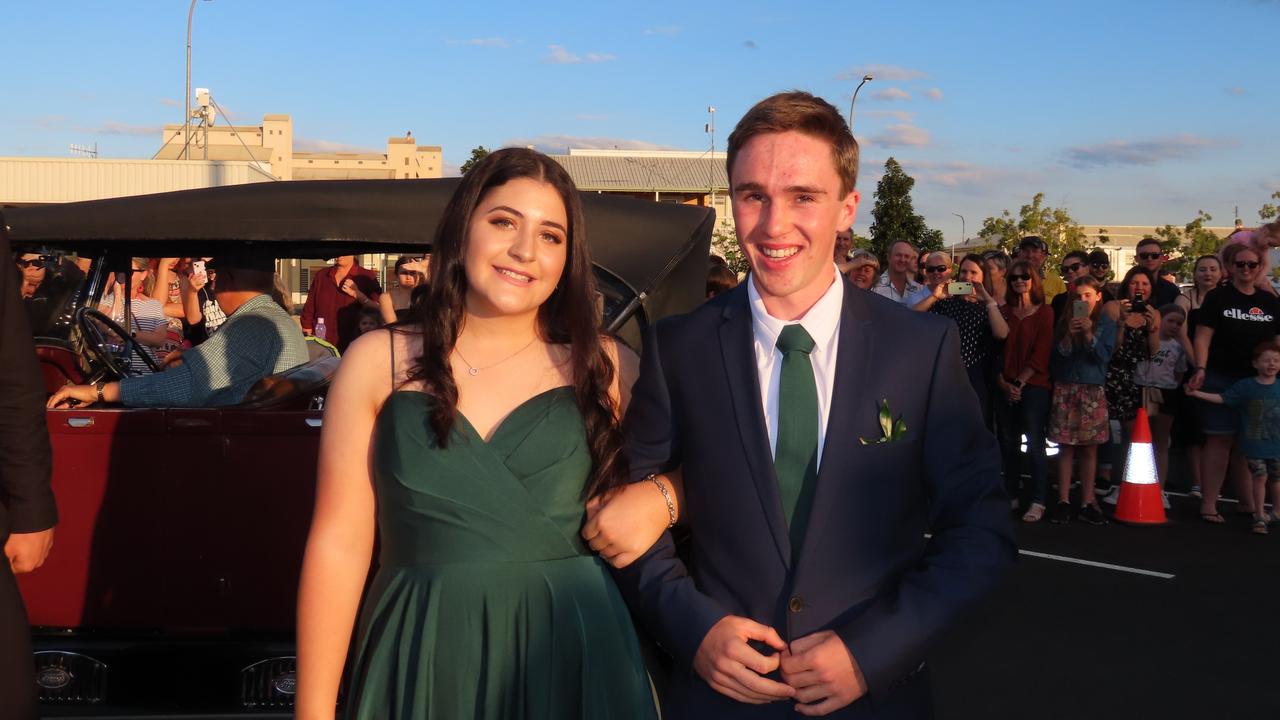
(1079, 309)
(1139, 303)
(198, 269)
(959, 288)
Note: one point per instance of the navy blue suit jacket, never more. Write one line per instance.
(866, 569)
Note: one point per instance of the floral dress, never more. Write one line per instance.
(1124, 397)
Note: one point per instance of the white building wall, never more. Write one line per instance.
(34, 180)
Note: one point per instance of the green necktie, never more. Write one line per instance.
(796, 458)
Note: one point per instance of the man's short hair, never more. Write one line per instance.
(1084, 256)
(1149, 241)
(803, 112)
(908, 243)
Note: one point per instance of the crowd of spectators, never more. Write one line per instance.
(1069, 358)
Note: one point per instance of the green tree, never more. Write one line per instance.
(1054, 225)
(477, 154)
(1269, 211)
(725, 244)
(1187, 243)
(894, 217)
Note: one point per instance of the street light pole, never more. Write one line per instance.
(963, 236)
(186, 120)
(865, 80)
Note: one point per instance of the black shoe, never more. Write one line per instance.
(1092, 514)
(1061, 514)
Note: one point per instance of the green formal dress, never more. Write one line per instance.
(487, 604)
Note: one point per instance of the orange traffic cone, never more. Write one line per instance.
(1141, 497)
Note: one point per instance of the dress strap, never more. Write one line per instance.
(391, 334)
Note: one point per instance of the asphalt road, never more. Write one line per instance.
(1067, 640)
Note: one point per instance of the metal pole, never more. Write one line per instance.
(865, 80)
(186, 119)
(963, 236)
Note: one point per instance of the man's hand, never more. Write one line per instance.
(349, 287)
(27, 551)
(823, 672)
(732, 668)
(81, 394)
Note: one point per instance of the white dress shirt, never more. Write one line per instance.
(912, 291)
(822, 322)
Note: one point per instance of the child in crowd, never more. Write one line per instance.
(1160, 379)
(370, 319)
(1258, 400)
(1084, 341)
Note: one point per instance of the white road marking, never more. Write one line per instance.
(1093, 563)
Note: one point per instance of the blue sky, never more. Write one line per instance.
(1125, 112)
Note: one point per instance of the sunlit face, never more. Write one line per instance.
(1171, 324)
(1150, 257)
(1208, 273)
(345, 261)
(1245, 267)
(1019, 279)
(33, 270)
(1033, 255)
(1139, 285)
(864, 275)
(788, 205)
(1100, 270)
(970, 272)
(1072, 268)
(517, 247)
(844, 243)
(937, 269)
(1267, 363)
(902, 259)
(1088, 295)
(138, 277)
(407, 278)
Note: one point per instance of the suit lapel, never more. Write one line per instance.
(738, 352)
(848, 396)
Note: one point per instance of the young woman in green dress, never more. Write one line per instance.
(467, 440)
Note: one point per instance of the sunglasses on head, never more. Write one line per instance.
(1019, 277)
(935, 268)
(1071, 268)
(1150, 256)
(1251, 264)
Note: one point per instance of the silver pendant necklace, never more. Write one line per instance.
(473, 370)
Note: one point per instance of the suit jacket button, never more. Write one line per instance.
(796, 604)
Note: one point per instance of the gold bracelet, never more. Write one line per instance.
(666, 497)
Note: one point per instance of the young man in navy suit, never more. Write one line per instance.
(842, 495)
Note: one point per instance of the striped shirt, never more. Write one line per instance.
(147, 315)
(257, 340)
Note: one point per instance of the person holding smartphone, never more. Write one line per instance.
(1137, 339)
(971, 306)
(1024, 381)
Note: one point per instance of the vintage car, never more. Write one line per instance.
(172, 582)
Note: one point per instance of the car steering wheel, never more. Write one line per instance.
(90, 321)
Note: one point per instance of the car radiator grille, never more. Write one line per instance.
(67, 677)
(269, 684)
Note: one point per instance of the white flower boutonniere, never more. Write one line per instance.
(891, 429)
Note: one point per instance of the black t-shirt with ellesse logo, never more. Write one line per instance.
(1240, 323)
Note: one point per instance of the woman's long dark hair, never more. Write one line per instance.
(568, 316)
(1125, 292)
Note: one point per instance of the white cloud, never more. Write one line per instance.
(590, 117)
(902, 135)
(329, 146)
(892, 94)
(1140, 152)
(48, 122)
(170, 102)
(933, 94)
(664, 30)
(560, 56)
(561, 143)
(1237, 91)
(894, 73)
(493, 42)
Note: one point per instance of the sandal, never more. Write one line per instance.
(1213, 518)
(1259, 527)
(1034, 513)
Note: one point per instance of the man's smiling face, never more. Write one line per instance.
(788, 205)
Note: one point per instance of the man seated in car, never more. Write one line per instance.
(259, 338)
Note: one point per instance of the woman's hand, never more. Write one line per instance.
(625, 522)
(980, 292)
(1196, 380)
